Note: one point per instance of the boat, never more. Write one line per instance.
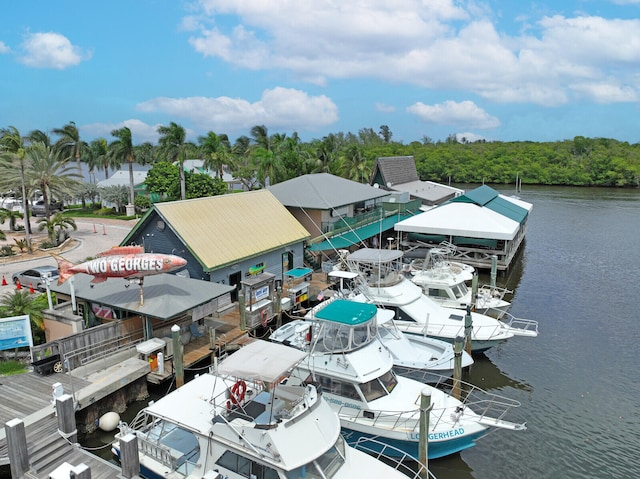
(380, 280)
(355, 371)
(413, 356)
(245, 420)
(446, 283)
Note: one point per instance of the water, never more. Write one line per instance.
(578, 382)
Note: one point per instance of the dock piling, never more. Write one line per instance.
(129, 456)
(457, 366)
(177, 355)
(468, 329)
(423, 444)
(17, 446)
(67, 417)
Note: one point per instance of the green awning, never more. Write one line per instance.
(359, 234)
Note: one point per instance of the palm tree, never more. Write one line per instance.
(173, 148)
(39, 136)
(13, 166)
(19, 303)
(12, 216)
(97, 157)
(51, 173)
(216, 151)
(69, 143)
(57, 227)
(122, 150)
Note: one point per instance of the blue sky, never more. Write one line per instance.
(501, 70)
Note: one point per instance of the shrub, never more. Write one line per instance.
(105, 212)
(7, 250)
(142, 202)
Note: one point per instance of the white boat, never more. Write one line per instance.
(380, 281)
(244, 421)
(355, 371)
(445, 282)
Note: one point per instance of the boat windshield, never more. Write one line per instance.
(379, 387)
(460, 290)
(326, 466)
(339, 337)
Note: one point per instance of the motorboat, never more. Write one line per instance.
(446, 283)
(244, 420)
(355, 371)
(381, 281)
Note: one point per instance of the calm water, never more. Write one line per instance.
(578, 382)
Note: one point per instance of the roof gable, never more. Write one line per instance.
(222, 230)
(323, 191)
(396, 170)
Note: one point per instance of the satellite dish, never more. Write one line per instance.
(376, 185)
(389, 184)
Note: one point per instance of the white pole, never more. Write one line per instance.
(73, 295)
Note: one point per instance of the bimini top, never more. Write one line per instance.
(349, 313)
(261, 360)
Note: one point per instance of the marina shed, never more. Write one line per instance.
(481, 223)
(399, 173)
(339, 213)
(224, 238)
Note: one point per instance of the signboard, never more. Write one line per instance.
(261, 293)
(15, 332)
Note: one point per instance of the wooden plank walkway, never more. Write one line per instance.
(27, 393)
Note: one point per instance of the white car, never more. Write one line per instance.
(36, 277)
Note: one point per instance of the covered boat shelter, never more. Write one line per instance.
(163, 300)
(480, 224)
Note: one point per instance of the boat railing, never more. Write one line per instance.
(520, 326)
(392, 456)
(447, 330)
(492, 408)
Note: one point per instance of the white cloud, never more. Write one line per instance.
(435, 45)
(464, 114)
(141, 132)
(51, 50)
(278, 108)
(4, 48)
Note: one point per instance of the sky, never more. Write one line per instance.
(498, 70)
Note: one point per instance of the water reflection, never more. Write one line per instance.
(486, 375)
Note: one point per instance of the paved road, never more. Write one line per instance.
(108, 233)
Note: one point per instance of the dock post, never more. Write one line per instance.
(278, 307)
(474, 290)
(81, 471)
(242, 309)
(468, 329)
(17, 446)
(129, 458)
(423, 443)
(67, 417)
(457, 366)
(177, 355)
(494, 270)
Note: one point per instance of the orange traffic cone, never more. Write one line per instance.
(18, 285)
(31, 290)
(4, 281)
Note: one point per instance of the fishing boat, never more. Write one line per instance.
(380, 280)
(355, 371)
(244, 420)
(413, 356)
(446, 283)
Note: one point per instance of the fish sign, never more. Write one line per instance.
(109, 265)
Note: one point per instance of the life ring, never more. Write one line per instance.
(237, 393)
(264, 318)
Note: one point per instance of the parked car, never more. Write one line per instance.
(35, 276)
(38, 208)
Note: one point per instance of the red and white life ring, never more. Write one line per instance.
(236, 395)
(264, 318)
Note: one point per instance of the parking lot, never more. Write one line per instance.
(92, 238)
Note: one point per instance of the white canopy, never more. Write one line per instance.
(461, 219)
(261, 360)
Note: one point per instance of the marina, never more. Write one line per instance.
(557, 378)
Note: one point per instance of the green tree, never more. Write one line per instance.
(70, 145)
(174, 148)
(51, 173)
(19, 303)
(12, 216)
(215, 150)
(163, 178)
(117, 194)
(98, 157)
(122, 150)
(200, 185)
(57, 227)
(13, 167)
